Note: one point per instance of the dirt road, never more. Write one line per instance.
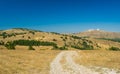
(64, 64)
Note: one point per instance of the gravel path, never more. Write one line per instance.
(70, 67)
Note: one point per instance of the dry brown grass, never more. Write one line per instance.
(26, 61)
(100, 58)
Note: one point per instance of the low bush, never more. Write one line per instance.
(76, 37)
(1, 43)
(10, 46)
(76, 47)
(54, 40)
(63, 48)
(31, 48)
(114, 48)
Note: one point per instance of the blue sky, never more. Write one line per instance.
(60, 15)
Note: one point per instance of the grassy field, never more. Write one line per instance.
(26, 61)
(38, 61)
(99, 58)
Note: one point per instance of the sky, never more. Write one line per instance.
(63, 16)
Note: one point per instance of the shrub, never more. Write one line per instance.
(114, 48)
(76, 47)
(54, 40)
(76, 37)
(31, 48)
(64, 39)
(29, 37)
(55, 33)
(33, 43)
(1, 43)
(89, 47)
(63, 48)
(86, 46)
(55, 48)
(10, 45)
(61, 37)
(32, 32)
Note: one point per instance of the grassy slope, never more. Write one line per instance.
(109, 59)
(25, 61)
(59, 39)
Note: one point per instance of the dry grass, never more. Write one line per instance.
(109, 59)
(26, 61)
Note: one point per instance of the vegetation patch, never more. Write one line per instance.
(54, 39)
(63, 48)
(25, 29)
(76, 37)
(5, 35)
(12, 44)
(76, 47)
(1, 43)
(114, 39)
(55, 33)
(84, 46)
(31, 48)
(114, 48)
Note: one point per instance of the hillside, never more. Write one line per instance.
(54, 52)
(58, 41)
(98, 34)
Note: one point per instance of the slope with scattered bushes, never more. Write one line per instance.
(23, 36)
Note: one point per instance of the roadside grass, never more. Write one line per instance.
(99, 58)
(26, 62)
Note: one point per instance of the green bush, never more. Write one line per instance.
(10, 46)
(76, 47)
(114, 48)
(32, 32)
(76, 37)
(33, 43)
(63, 48)
(86, 46)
